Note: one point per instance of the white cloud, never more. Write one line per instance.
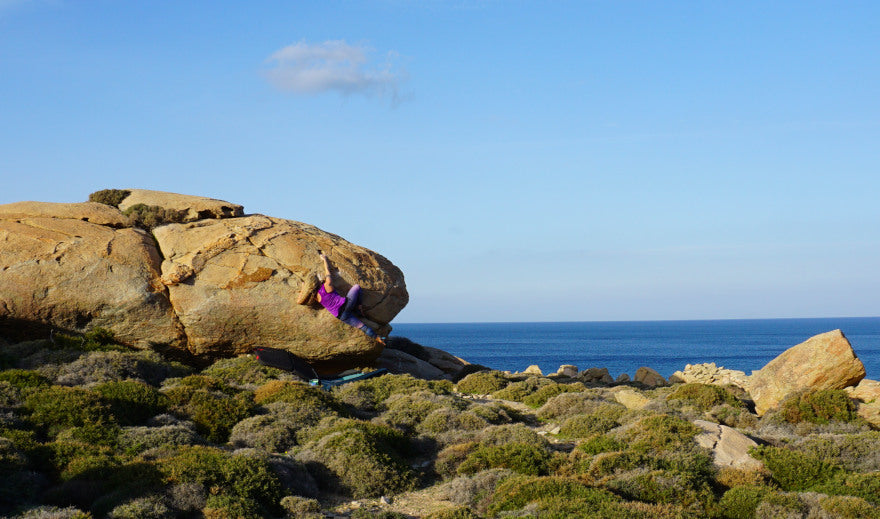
(335, 65)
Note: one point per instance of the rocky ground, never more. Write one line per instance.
(91, 429)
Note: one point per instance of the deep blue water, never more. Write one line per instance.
(624, 346)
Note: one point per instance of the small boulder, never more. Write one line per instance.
(649, 377)
(533, 370)
(825, 361)
(595, 376)
(631, 399)
(730, 448)
(399, 362)
(567, 370)
(867, 397)
(623, 378)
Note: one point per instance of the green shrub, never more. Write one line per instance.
(132, 402)
(96, 339)
(297, 404)
(516, 493)
(224, 506)
(54, 512)
(819, 407)
(97, 367)
(54, 408)
(599, 443)
(512, 433)
(214, 412)
(111, 197)
(369, 395)
(150, 216)
(659, 433)
(23, 378)
(247, 478)
(406, 411)
(661, 486)
(518, 391)
(854, 452)
(461, 512)
(518, 457)
(148, 507)
(360, 459)
(540, 397)
(243, 370)
(704, 396)
(135, 440)
(794, 470)
(446, 419)
(866, 486)
(265, 432)
(847, 507)
(741, 502)
(585, 426)
(566, 405)
(482, 383)
(302, 507)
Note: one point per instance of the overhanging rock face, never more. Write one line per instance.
(219, 285)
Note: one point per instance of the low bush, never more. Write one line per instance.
(109, 366)
(518, 457)
(585, 426)
(132, 402)
(794, 470)
(741, 502)
(847, 507)
(147, 507)
(135, 440)
(599, 443)
(540, 397)
(566, 405)
(54, 408)
(866, 486)
(704, 396)
(214, 412)
(150, 216)
(407, 411)
(482, 383)
(302, 507)
(23, 378)
(820, 407)
(54, 512)
(296, 402)
(518, 391)
(662, 486)
(369, 395)
(461, 512)
(854, 452)
(250, 480)
(447, 419)
(111, 197)
(225, 506)
(550, 495)
(266, 432)
(243, 371)
(660, 433)
(475, 490)
(512, 433)
(360, 459)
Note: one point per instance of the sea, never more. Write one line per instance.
(625, 346)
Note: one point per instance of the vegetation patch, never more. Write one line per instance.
(819, 407)
(705, 396)
(242, 371)
(482, 383)
(214, 411)
(519, 457)
(132, 402)
(111, 197)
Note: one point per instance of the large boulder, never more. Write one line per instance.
(867, 397)
(234, 284)
(825, 361)
(216, 286)
(59, 270)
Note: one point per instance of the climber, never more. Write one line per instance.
(346, 308)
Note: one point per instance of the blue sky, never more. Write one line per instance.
(519, 161)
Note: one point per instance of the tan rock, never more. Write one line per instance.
(596, 376)
(622, 378)
(867, 397)
(533, 370)
(649, 377)
(191, 207)
(730, 448)
(74, 275)
(91, 212)
(247, 275)
(825, 361)
(445, 361)
(709, 373)
(399, 362)
(567, 370)
(631, 399)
